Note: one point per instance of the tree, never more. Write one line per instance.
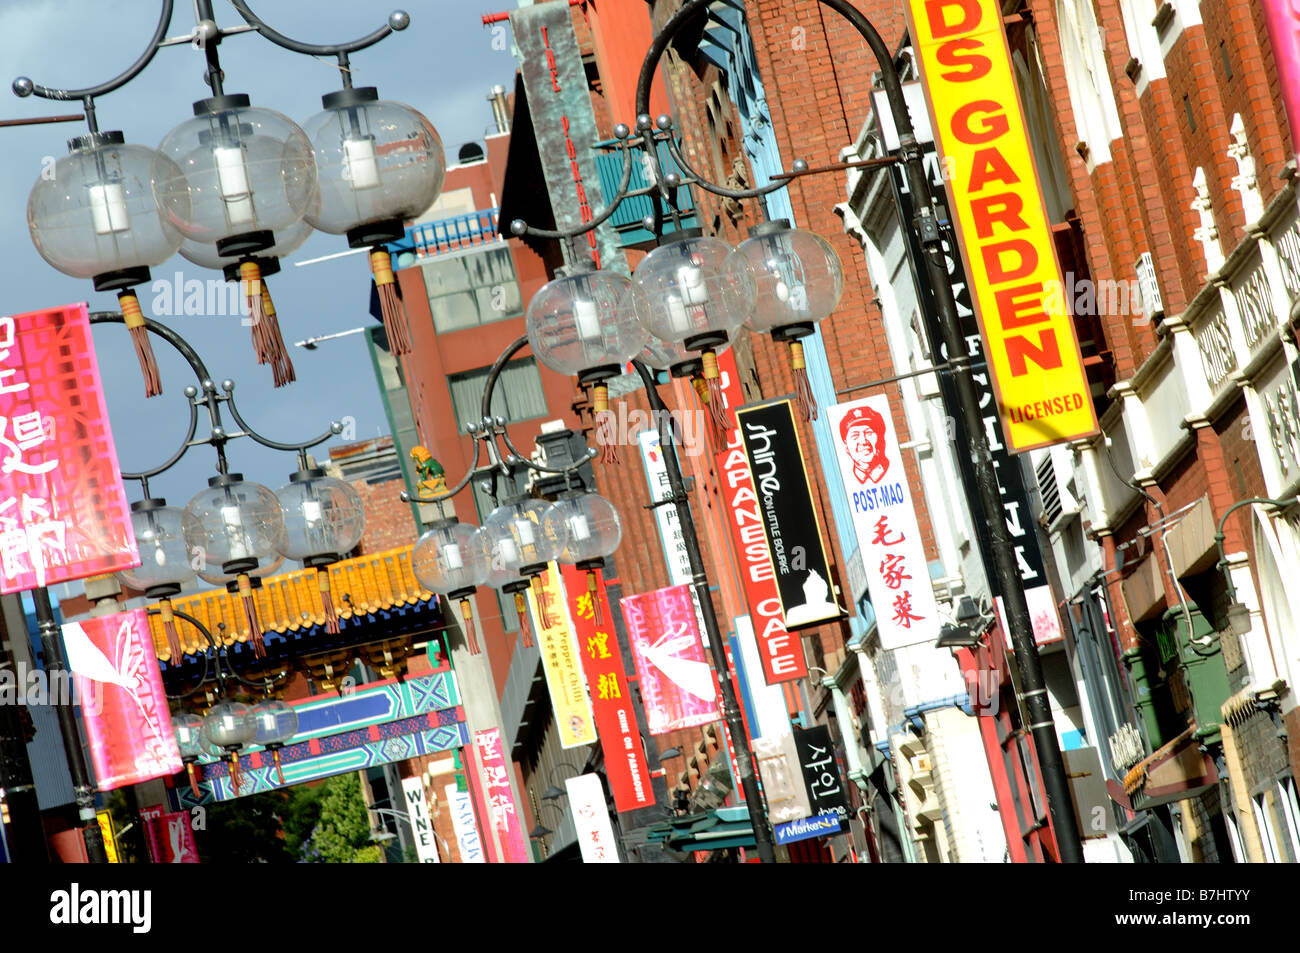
(245, 830)
(342, 833)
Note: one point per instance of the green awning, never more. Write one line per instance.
(710, 830)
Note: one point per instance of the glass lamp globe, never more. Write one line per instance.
(248, 173)
(519, 538)
(165, 556)
(589, 525)
(188, 729)
(450, 558)
(693, 290)
(580, 325)
(378, 165)
(96, 213)
(230, 725)
(324, 517)
(235, 524)
(287, 241)
(277, 722)
(798, 278)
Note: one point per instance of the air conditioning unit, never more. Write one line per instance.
(1059, 504)
(1152, 304)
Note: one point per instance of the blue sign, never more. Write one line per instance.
(806, 827)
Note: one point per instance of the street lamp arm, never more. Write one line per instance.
(706, 185)
(398, 20)
(335, 429)
(25, 87)
(1220, 537)
(520, 227)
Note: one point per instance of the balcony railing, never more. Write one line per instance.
(446, 235)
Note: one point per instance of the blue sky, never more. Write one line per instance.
(443, 65)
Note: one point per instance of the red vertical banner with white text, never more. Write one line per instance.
(503, 813)
(780, 650)
(63, 509)
(611, 702)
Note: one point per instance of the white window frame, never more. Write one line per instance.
(1092, 98)
(1286, 797)
(1267, 834)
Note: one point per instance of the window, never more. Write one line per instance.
(517, 396)
(1093, 102)
(475, 287)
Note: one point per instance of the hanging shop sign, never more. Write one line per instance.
(670, 527)
(611, 699)
(417, 809)
(461, 804)
(123, 702)
(63, 510)
(1005, 236)
(168, 836)
(559, 648)
(677, 684)
(884, 519)
(1010, 474)
(503, 813)
(591, 820)
(780, 650)
(795, 542)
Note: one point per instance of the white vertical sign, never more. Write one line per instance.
(417, 809)
(670, 528)
(462, 821)
(591, 819)
(884, 519)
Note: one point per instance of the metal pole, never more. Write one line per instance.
(730, 709)
(52, 643)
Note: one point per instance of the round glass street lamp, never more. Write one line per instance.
(238, 526)
(798, 282)
(696, 291)
(98, 215)
(324, 520)
(451, 560)
(277, 723)
(165, 561)
(188, 729)
(379, 164)
(230, 726)
(591, 530)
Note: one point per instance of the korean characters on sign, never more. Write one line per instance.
(884, 519)
(1005, 235)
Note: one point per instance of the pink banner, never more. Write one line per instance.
(677, 686)
(170, 837)
(63, 511)
(502, 811)
(1283, 18)
(123, 704)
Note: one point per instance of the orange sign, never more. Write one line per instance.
(1006, 239)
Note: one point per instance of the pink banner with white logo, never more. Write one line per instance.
(503, 813)
(63, 511)
(677, 684)
(123, 704)
(1283, 18)
(170, 837)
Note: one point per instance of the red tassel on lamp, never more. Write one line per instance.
(245, 590)
(169, 627)
(526, 630)
(134, 318)
(390, 302)
(717, 412)
(606, 434)
(267, 341)
(327, 601)
(467, 614)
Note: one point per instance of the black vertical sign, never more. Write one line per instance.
(1011, 481)
(785, 506)
(821, 775)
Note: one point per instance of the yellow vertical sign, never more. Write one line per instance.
(1006, 239)
(559, 647)
(110, 840)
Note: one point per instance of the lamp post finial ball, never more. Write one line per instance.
(336, 428)
(191, 392)
(664, 121)
(227, 385)
(518, 226)
(23, 86)
(648, 223)
(644, 121)
(218, 433)
(621, 131)
(799, 165)
(399, 20)
(673, 180)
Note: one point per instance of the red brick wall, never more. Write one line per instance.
(389, 523)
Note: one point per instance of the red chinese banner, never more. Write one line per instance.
(63, 511)
(503, 813)
(677, 685)
(123, 703)
(625, 764)
(169, 837)
(781, 652)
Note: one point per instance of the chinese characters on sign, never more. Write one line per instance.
(670, 527)
(625, 764)
(591, 820)
(500, 800)
(781, 651)
(677, 685)
(123, 703)
(63, 510)
(881, 503)
(559, 648)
